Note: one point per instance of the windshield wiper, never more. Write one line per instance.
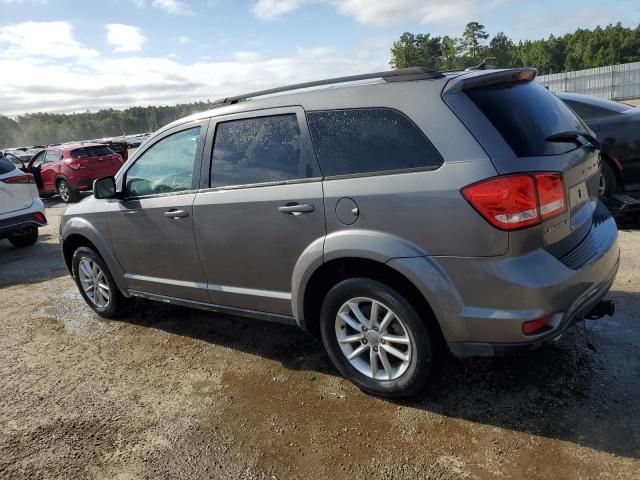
(573, 136)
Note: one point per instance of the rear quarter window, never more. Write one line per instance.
(368, 140)
(525, 114)
(6, 166)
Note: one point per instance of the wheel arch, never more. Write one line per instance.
(77, 232)
(615, 167)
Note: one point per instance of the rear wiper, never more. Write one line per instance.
(573, 136)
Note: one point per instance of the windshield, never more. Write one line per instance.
(526, 114)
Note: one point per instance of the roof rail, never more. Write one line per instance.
(400, 75)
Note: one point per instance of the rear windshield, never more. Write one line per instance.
(526, 114)
(5, 165)
(88, 152)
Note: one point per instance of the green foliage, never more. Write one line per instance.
(45, 128)
(581, 49)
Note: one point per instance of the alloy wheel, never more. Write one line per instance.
(63, 190)
(94, 283)
(374, 340)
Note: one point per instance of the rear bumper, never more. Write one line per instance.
(486, 301)
(18, 225)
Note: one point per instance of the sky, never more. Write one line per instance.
(77, 55)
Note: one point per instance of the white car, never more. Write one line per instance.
(21, 210)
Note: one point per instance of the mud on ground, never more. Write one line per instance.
(172, 393)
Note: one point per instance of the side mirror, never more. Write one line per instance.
(104, 187)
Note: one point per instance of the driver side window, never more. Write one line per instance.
(165, 167)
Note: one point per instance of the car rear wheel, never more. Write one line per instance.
(376, 339)
(24, 239)
(608, 180)
(66, 192)
(96, 283)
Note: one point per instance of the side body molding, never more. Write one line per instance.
(80, 226)
(402, 256)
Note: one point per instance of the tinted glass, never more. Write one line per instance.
(38, 159)
(88, 152)
(369, 140)
(165, 167)
(525, 114)
(15, 160)
(257, 150)
(5, 165)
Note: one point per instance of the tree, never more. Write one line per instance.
(502, 49)
(473, 33)
(449, 56)
(416, 51)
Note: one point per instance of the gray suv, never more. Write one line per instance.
(393, 214)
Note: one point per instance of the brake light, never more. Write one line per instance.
(73, 163)
(551, 194)
(512, 202)
(26, 178)
(532, 327)
(39, 217)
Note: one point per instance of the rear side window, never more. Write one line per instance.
(525, 114)
(88, 152)
(257, 150)
(369, 140)
(6, 166)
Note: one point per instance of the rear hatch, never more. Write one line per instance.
(525, 128)
(16, 188)
(95, 161)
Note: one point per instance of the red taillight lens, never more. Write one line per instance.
(507, 202)
(517, 201)
(73, 163)
(39, 217)
(551, 194)
(535, 326)
(26, 178)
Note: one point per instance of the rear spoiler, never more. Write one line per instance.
(482, 78)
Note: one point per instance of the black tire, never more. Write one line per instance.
(117, 302)
(24, 240)
(416, 375)
(609, 181)
(66, 193)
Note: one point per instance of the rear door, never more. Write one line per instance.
(15, 190)
(525, 128)
(97, 161)
(151, 229)
(262, 208)
(50, 170)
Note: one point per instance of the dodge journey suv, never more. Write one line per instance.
(393, 214)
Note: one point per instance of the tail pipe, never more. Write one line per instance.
(604, 307)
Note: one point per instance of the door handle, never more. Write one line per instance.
(176, 214)
(296, 208)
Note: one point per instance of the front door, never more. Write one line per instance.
(262, 209)
(151, 230)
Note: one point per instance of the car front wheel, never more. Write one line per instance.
(376, 339)
(96, 283)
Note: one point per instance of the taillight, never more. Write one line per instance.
(551, 194)
(40, 217)
(73, 163)
(517, 201)
(538, 325)
(26, 178)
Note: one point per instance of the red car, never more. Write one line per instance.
(71, 168)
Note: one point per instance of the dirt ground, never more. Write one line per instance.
(172, 393)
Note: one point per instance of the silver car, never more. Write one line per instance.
(393, 214)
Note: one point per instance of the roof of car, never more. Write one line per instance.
(67, 147)
(594, 101)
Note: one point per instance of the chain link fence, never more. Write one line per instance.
(616, 82)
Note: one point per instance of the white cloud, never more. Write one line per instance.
(89, 83)
(270, 9)
(388, 12)
(183, 40)
(125, 38)
(175, 7)
(41, 40)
